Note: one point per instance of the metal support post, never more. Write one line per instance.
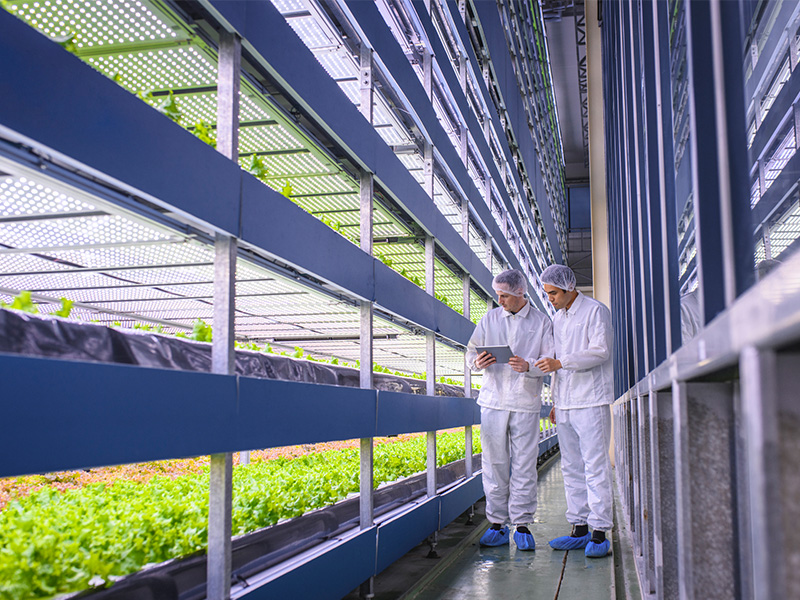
(430, 365)
(366, 358)
(223, 356)
(427, 73)
(796, 115)
(759, 377)
(221, 485)
(467, 385)
(365, 79)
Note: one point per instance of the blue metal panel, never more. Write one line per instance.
(286, 59)
(780, 109)
(80, 415)
(274, 223)
(274, 413)
(398, 295)
(455, 501)
(735, 133)
(454, 412)
(778, 190)
(652, 195)
(109, 129)
(704, 138)
(498, 49)
(398, 536)
(331, 574)
(373, 24)
(669, 226)
(406, 413)
(451, 324)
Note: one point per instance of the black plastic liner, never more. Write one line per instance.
(54, 337)
(185, 579)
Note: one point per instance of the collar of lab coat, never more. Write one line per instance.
(522, 312)
(572, 310)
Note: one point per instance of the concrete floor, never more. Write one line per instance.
(507, 573)
(465, 571)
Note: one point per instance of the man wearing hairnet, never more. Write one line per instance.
(510, 404)
(582, 390)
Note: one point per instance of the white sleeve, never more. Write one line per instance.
(598, 349)
(546, 349)
(475, 340)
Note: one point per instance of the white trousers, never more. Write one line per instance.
(510, 449)
(584, 435)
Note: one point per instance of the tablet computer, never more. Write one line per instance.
(501, 353)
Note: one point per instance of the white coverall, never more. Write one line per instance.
(510, 406)
(583, 389)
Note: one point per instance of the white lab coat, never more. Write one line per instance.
(584, 341)
(582, 390)
(529, 334)
(510, 404)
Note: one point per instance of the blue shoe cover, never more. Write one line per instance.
(495, 537)
(524, 541)
(595, 550)
(567, 542)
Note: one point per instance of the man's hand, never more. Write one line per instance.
(520, 365)
(548, 365)
(484, 360)
(552, 415)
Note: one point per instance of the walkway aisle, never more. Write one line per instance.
(506, 573)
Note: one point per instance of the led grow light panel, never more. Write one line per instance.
(96, 24)
(338, 63)
(785, 231)
(20, 196)
(478, 307)
(312, 33)
(317, 186)
(301, 164)
(164, 69)
(93, 230)
(267, 138)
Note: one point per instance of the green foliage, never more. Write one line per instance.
(67, 41)
(256, 167)
(168, 106)
(298, 352)
(66, 308)
(53, 542)
(205, 132)
(149, 327)
(22, 302)
(201, 331)
(288, 190)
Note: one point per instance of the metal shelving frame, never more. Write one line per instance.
(705, 430)
(137, 218)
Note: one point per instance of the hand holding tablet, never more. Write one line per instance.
(500, 353)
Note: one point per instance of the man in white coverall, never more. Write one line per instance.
(510, 404)
(582, 392)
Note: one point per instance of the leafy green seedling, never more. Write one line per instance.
(201, 331)
(23, 303)
(169, 106)
(66, 308)
(256, 167)
(204, 131)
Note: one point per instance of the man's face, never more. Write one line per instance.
(510, 302)
(558, 298)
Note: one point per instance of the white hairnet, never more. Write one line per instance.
(559, 276)
(510, 282)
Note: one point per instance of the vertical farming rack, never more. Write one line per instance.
(336, 179)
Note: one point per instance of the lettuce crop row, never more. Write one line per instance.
(53, 542)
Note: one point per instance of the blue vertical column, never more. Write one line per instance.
(717, 125)
(666, 174)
